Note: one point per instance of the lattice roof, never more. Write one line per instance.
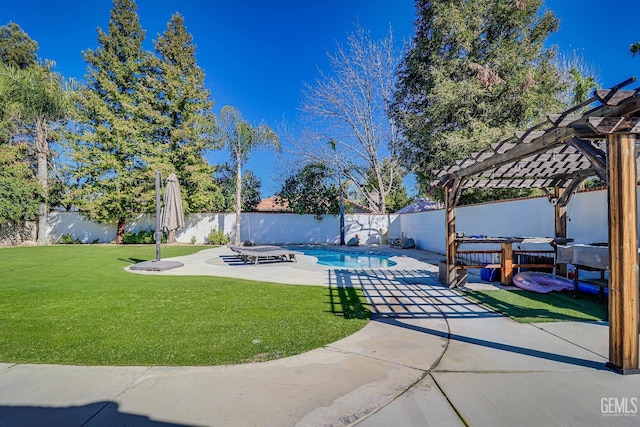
(560, 152)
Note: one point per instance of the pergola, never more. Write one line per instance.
(557, 156)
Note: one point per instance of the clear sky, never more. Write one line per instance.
(258, 53)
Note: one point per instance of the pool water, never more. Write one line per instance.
(335, 258)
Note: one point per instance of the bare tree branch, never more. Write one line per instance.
(348, 110)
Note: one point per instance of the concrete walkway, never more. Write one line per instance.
(428, 357)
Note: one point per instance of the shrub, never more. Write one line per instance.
(142, 237)
(217, 237)
(68, 239)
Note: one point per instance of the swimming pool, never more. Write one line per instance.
(338, 258)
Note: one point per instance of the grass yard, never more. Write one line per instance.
(76, 305)
(527, 307)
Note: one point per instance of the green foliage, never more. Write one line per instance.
(17, 49)
(68, 239)
(142, 237)
(54, 312)
(32, 100)
(20, 192)
(634, 49)
(312, 191)
(226, 178)
(217, 237)
(593, 182)
(187, 127)
(478, 70)
(582, 86)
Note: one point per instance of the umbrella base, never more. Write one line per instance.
(156, 265)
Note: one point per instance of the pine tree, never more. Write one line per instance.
(115, 153)
(17, 49)
(188, 121)
(477, 71)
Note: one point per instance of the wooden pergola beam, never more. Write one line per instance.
(452, 194)
(623, 254)
(596, 157)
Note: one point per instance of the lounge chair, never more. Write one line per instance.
(254, 254)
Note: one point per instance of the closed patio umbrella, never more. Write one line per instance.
(172, 214)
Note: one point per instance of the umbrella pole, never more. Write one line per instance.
(158, 234)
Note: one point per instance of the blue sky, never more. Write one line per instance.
(257, 54)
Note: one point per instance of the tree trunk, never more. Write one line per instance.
(41, 149)
(120, 232)
(171, 237)
(238, 201)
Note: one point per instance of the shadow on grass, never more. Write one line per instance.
(525, 306)
(133, 260)
(347, 301)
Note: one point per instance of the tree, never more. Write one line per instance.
(114, 153)
(10, 86)
(578, 78)
(19, 189)
(350, 107)
(16, 47)
(397, 197)
(634, 49)
(34, 97)
(17, 51)
(188, 126)
(43, 100)
(312, 190)
(476, 71)
(225, 177)
(241, 138)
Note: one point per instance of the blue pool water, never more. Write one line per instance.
(336, 258)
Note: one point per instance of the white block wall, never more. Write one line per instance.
(586, 213)
(257, 227)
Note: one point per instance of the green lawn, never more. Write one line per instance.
(75, 304)
(525, 306)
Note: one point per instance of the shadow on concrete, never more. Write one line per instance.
(235, 261)
(395, 295)
(501, 346)
(101, 413)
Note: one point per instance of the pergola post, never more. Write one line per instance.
(455, 276)
(450, 220)
(623, 254)
(560, 226)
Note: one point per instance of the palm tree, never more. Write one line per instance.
(635, 49)
(41, 99)
(241, 138)
(9, 108)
